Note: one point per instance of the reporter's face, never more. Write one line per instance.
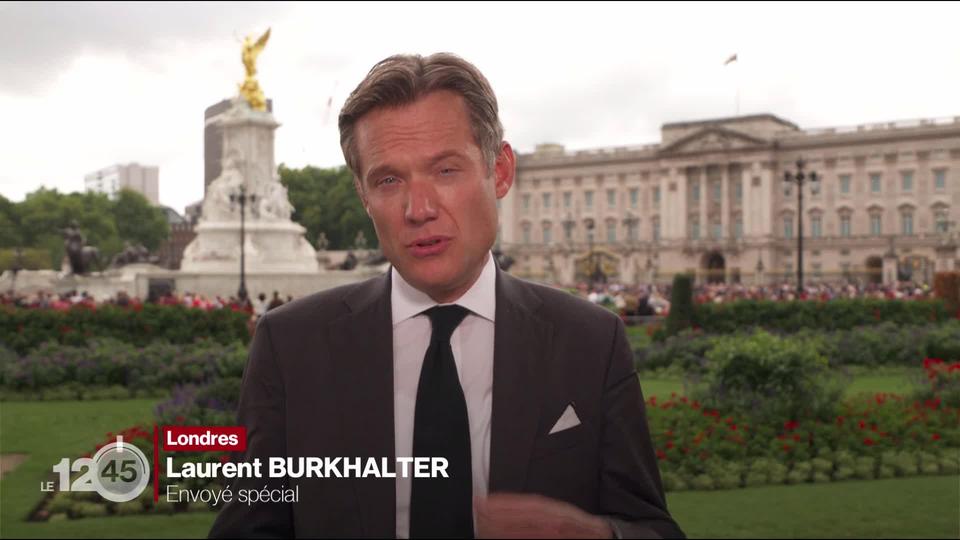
(425, 185)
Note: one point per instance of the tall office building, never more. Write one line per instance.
(143, 179)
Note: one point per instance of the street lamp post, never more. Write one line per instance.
(242, 198)
(597, 275)
(800, 179)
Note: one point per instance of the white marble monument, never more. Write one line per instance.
(273, 243)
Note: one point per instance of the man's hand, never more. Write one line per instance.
(513, 515)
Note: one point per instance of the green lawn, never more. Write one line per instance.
(920, 507)
(911, 507)
(49, 431)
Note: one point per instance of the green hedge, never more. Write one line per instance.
(885, 344)
(841, 314)
(24, 329)
(111, 369)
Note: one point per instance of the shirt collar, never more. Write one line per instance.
(406, 301)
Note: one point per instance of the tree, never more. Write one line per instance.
(325, 200)
(10, 235)
(681, 304)
(45, 212)
(138, 221)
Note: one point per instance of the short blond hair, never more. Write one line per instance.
(402, 79)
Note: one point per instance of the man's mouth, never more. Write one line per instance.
(429, 246)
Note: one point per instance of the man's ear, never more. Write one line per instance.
(504, 170)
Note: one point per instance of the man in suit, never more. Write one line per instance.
(528, 392)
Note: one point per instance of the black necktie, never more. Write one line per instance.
(442, 507)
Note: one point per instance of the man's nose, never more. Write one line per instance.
(421, 202)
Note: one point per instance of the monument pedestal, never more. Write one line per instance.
(272, 247)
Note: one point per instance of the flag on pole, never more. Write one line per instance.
(733, 58)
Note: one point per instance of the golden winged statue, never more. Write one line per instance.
(250, 89)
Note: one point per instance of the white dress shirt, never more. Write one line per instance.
(472, 344)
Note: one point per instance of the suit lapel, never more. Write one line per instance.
(522, 341)
(362, 349)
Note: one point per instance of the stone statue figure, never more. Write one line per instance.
(273, 204)
(216, 204)
(250, 89)
(360, 242)
(322, 242)
(80, 257)
(131, 254)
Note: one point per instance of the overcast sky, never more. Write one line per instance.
(84, 86)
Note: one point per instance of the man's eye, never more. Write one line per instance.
(387, 180)
(447, 170)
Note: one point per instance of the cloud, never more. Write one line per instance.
(38, 40)
(84, 86)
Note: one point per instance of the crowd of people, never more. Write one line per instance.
(256, 306)
(653, 299)
(631, 300)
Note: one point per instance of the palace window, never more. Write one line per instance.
(845, 184)
(906, 181)
(547, 200)
(588, 199)
(906, 223)
(875, 183)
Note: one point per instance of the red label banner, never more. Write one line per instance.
(204, 438)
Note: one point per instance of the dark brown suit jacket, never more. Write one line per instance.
(319, 382)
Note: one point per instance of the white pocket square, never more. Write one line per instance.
(568, 419)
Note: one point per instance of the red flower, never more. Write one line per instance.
(929, 363)
(935, 437)
(839, 420)
(868, 441)
(696, 405)
(733, 427)
(862, 424)
(653, 400)
(796, 437)
(791, 425)
(932, 404)
(669, 445)
(787, 448)
(661, 454)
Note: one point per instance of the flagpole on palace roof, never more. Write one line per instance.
(732, 59)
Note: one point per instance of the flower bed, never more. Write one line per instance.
(211, 404)
(24, 329)
(880, 437)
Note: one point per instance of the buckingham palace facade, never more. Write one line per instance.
(710, 199)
